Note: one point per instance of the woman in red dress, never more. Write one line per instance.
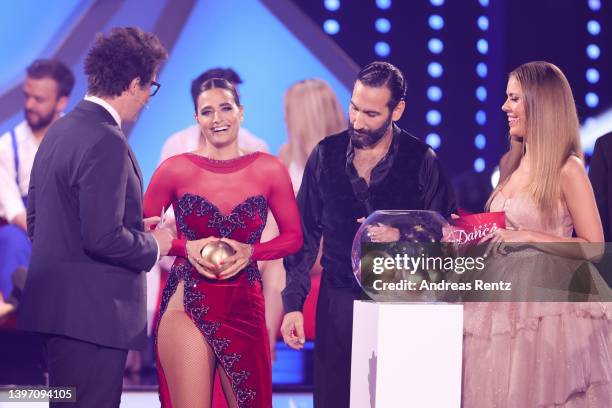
(213, 322)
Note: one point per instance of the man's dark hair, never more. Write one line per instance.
(380, 73)
(115, 60)
(220, 83)
(57, 71)
(223, 73)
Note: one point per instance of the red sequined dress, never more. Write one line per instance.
(228, 198)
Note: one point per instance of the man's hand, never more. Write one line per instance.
(383, 233)
(20, 221)
(164, 238)
(150, 223)
(292, 330)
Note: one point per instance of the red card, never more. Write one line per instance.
(469, 229)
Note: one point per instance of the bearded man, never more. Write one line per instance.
(373, 165)
(46, 89)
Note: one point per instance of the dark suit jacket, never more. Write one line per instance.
(600, 173)
(86, 278)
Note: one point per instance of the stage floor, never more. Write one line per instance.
(148, 399)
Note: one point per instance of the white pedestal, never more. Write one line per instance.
(406, 355)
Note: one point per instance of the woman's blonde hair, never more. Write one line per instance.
(552, 132)
(312, 112)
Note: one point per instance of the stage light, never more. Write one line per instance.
(435, 69)
(331, 26)
(591, 99)
(479, 165)
(481, 117)
(436, 22)
(484, 3)
(382, 25)
(482, 69)
(482, 46)
(434, 93)
(595, 5)
(434, 117)
(435, 46)
(481, 93)
(483, 23)
(437, 3)
(592, 75)
(593, 27)
(382, 49)
(332, 5)
(593, 51)
(480, 141)
(383, 4)
(433, 139)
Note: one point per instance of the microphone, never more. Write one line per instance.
(360, 188)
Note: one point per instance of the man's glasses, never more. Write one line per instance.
(154, 87)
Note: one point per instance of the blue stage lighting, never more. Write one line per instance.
(383, 4)
(481, 93)
(592, 75)
(480, 141)
(434, 117)
(484, 3)
(595, 5)
(382, 25)
(482, 69)
(435, 45)
(436, 22)
(433, 139)
(437, 3)
(435, 69)
(434, 93)
(482, 46)
(481, 117)
(593, 51)
(593, 27)
(331, 26)
(479, 165)
(332, 5)
(382, 49)
(483, 23)
(591, 99)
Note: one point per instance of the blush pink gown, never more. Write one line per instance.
(528, 354)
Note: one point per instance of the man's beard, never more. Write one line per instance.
(361, 139)
(41, 121)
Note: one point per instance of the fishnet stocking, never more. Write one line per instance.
(187, 360)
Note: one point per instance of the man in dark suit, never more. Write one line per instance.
(85, 289)
(600, 173)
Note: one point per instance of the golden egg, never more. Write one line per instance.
(215, 252)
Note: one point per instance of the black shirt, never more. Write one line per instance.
(332, 197)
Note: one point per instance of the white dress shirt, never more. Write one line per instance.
(11, 203)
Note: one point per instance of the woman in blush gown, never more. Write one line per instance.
(546, 354)
(214, 323)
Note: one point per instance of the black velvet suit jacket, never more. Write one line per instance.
(600, 174)
(86, 278)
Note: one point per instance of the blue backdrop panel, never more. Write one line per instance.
(30, 30)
